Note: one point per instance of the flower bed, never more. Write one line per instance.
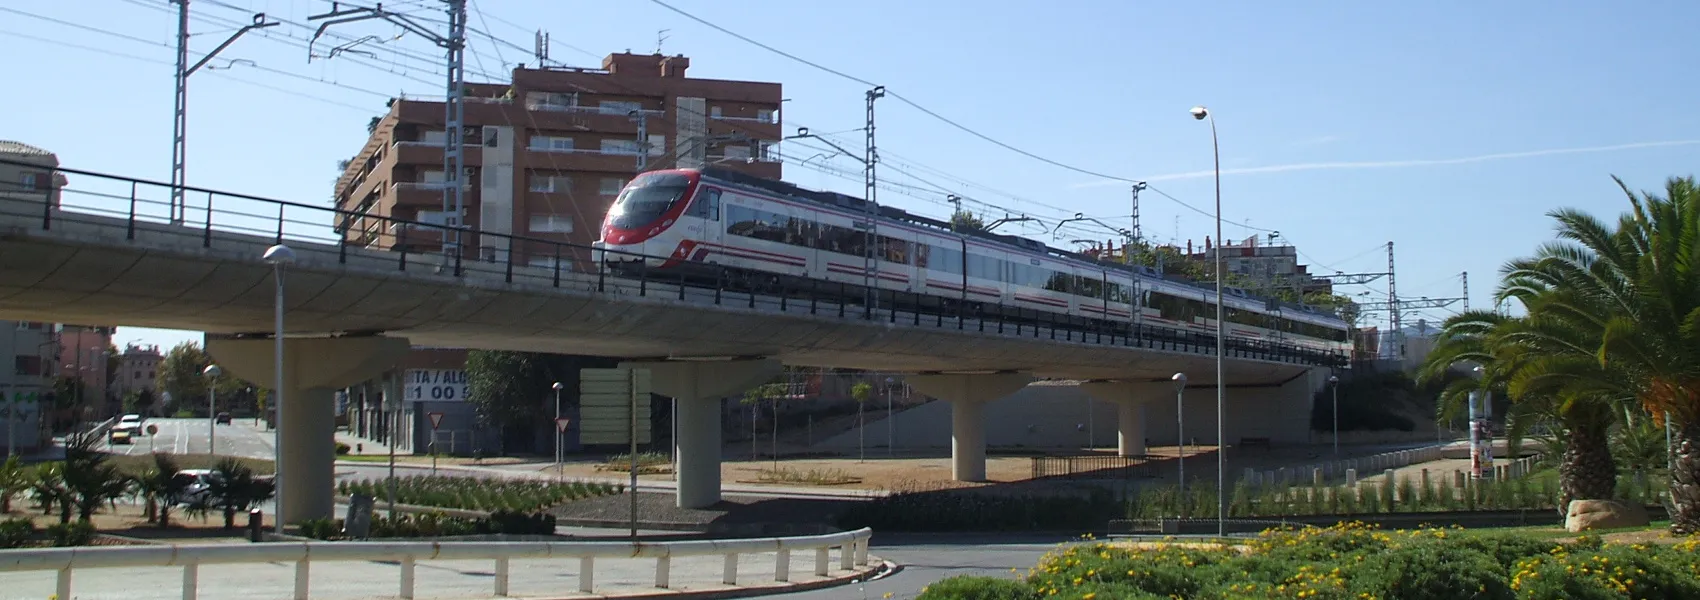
(471, 493)
(1352, 562)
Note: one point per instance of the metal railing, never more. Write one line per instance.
(1105, 466)
(852, 546)
(141, 207)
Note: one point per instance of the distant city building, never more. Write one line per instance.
(28, 351)
(546, 155)
(1266, 267)
(138, 369)
(38, 177)
(82, 355)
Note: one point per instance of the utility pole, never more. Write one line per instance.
(1133, 307)
(1134, 231)
(1466, 277)
(180, 108)
(871, 157)
(454, 105)
(1393, 306)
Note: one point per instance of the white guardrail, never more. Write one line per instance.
(852, 545)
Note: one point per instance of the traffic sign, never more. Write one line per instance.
(607, 399)
(436, 419)
(153, 429)
(561, 424)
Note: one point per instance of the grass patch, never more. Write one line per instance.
(471, 493)
(1351, 561)
(648, 463)
(809, 477)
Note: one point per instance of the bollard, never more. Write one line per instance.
(1316, 477)
(1458, 479)
(1352, 478)
(663, 571)
(256, 525)
(782, 566)
(586, 574)
(1250, 476)
(1425, 479)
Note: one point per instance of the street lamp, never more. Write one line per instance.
(1201, 113)
(212, 372)
(278, 255)
(1334, 382)
(1180, 438)
(557, 387)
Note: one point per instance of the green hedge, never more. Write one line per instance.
(471, 493)
(1348, 562)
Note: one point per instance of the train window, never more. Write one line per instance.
(706, 206)
(945, 259)
(1059, 282)
(921, 254)
(894, 250)
(1116, 292)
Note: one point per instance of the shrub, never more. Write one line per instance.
(1432, 570)
(16, 533)
(343, 449)
(471, 493)
(74, 533)
(320, 529)
(967, 587)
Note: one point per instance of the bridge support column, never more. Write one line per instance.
(968, 395)
(313, 370)
(1130, 399)
(696, 388)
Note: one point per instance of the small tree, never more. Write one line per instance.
(233, 487)
(964, 222)
(15, 478)
(90, 480)
(162, 487)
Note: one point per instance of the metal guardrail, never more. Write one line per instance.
(1093, 467)
(140, 207)
(852, 545)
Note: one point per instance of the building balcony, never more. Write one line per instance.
(431, 153)
(416, 194)
(756, 128)
(587, 118)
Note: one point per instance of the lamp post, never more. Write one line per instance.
(890, 425)
(1201, 113)
(1334, 382)
(1180, 437)
(212, 372)
(278, 255)
(557, 387)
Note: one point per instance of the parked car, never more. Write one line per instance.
(120, 436)
(223, 418)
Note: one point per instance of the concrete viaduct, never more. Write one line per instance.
(352, 312)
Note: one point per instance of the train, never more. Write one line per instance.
(726, 224)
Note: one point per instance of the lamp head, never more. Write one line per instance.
(802, 132)
(557, 387)
(1179, 378)
(279, 255)
(212, 371)
(1199, 112)
(1333, 379)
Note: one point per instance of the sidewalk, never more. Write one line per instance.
(441, 579)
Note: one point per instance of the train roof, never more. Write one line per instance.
(849, 202)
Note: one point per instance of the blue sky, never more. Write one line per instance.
(1446, 127)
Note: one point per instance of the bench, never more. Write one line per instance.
(1262, 442)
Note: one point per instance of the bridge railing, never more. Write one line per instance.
(1094, 466)
(144, 209)
(852, 547)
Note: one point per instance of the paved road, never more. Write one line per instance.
(190, 436)
(926, 559)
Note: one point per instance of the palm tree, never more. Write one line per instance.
(90, 480)
(1512, 364)
(161, 487)
(1626, 301)
(234, 487)
(15, 478)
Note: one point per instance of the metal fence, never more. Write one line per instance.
(1105, 466)
(140, 207)
(852, 545)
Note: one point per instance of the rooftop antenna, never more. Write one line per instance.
(660, 38)
(540, 47)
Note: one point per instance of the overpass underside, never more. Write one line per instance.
(78, 267)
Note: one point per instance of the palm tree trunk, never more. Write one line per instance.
(1587, 471)
(1685, 481)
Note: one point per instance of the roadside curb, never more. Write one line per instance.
(877, 568)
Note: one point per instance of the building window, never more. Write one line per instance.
(491, 137)
(433, 136)
(714, 111)
(550, 100)
(27, 365)
(611, 186)
(620, 147)
(549, 143)
(432, 176)
(28, 181)
(549, 184)
(764, 115)
(551, 224)
(619, 107)
(766, 152)
(737, 151)
(657, 145)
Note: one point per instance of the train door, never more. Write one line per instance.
(704, 225)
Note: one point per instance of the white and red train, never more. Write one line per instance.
(782, 233)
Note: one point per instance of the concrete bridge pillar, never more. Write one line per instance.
(696, 388)
(313, 370)
(968, 395)
(1130, 398)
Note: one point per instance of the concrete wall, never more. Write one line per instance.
(1058, 415)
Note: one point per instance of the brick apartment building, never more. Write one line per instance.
(546, 155)
(138, 369)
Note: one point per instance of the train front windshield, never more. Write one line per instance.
(646, 199)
